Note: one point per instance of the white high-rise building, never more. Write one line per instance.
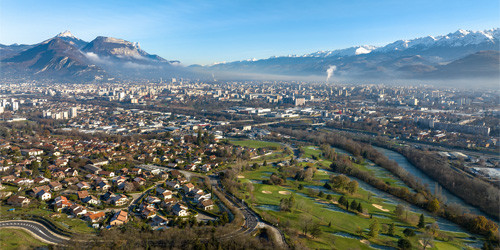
(15, 106)
(73, 112)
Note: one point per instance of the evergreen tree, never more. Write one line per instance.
(421, 221)
(199, 139)
(354, 205)
(404, 244)
(342, 200)
(391, 229)
(359, 208)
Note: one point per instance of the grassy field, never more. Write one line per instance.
(62, 221)
(18, 239)
(255, 143)
(386, 176)
(345, 226)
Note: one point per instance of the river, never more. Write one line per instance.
(428, 181)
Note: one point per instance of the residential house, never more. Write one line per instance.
(94, 216)
(188, 187)
(31, 152)
(152, 199)
(59, 175)
(82, 194)
(107, 174)
(99, 162)
(91, 200)
(206, 204)
(9, 178)
(41, 180)
(148, 212)
(119, 218)
(120, 200)
(55, 186)
(158, 220)
(83, 185)
(102, 185)
(18, 201)
(61, 202)
(92, 169)
(172, 185)
(77, 210)
(140, 181)
(180, 210)
(206, 168)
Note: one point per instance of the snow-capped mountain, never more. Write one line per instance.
(67, 57)
(71, 39)
(357, 50)
(55, 59)
(416, 58)
(461, 54)
(460, 38)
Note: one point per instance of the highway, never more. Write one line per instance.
(38, 230)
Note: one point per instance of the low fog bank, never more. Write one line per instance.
(490, 82)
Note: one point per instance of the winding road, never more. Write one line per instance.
(36, 229)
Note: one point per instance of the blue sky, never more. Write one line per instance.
(213, 31)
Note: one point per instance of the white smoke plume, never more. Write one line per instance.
(329, 72)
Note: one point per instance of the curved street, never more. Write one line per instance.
(38, 230)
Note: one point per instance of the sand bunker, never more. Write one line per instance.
(267, 192)
(284, 192)
(380, 208)
(241, 176)
(365, 242)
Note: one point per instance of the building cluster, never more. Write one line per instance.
(180, 108)
(85, 178)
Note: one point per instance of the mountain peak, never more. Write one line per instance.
(66, 33)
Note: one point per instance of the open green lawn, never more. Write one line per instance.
(265, 199)
(9, 188)
(18, 239)
(315, 152)
(383, 174)
(255, 143)
(62, 221)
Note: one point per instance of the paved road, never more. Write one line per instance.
(252, 220)
(35, 228)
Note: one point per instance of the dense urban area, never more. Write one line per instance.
(204, 165)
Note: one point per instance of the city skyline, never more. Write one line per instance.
(204, 33)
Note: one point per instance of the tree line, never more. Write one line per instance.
(422, 197)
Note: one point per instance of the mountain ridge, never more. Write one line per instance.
(104, 58)
(419, 58)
